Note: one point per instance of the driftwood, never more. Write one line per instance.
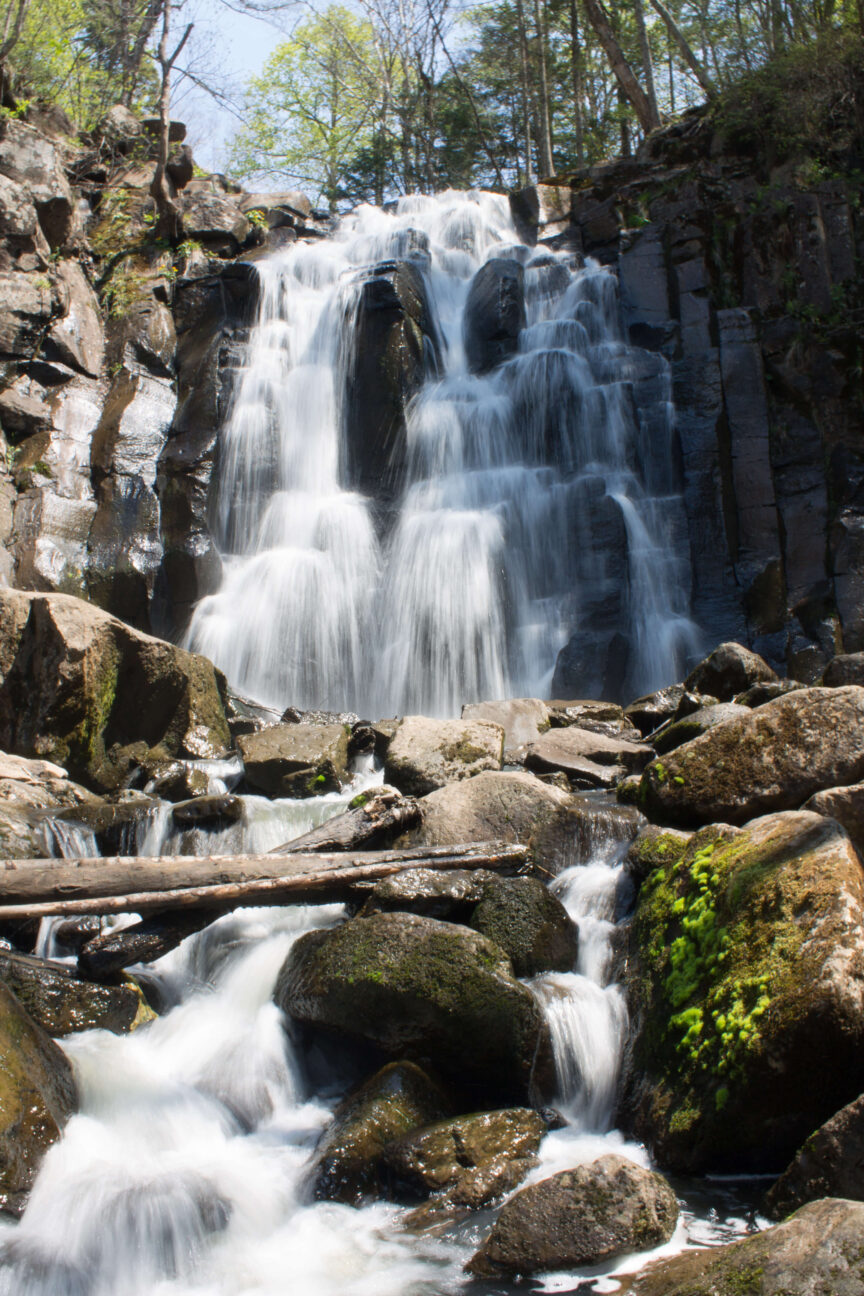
(41, 888)
(381, 817)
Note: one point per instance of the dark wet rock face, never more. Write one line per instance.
(433, 992)
(529, 923)
(62, 1003)
(829, 1164)
(494, 314)
(580, 1217)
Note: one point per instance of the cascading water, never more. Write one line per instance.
(536, 500)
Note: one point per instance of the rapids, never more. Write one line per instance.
(538, 501)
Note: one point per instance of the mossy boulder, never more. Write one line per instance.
(88, 692)
(37, 1097)
(585, 1216)
(728, 670)
(436, 993)
(829, 1164)
(675, 732)
(296, 760)
(468, 1161)
(425, 754)
(529, 923)
(396, 1100)
(818, 1252)
(654, 848)
(61, 1002)
(770, 758)
(747, 990)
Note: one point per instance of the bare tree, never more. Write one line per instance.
(683, 44)
(13, 22)
(647, 64)
(169, 218)
(627, 81)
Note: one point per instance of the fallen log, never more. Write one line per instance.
(42, 888)
(382, 816)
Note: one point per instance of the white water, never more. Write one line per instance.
(186, 1171)
(495, 555)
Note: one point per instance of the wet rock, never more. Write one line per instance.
(114, 821)
(654, 848)
(74, 680)
(208, 811)
(22, 415)
(579, 1217)
(296, 760)
(846, 805)
(817, 1251)
(590, 760)
(448, 894)
(494, 314)
(848, 668)
(29, 791)
(77, 339)
(433, 992)
(675, 732)
(506, 807)
(758, 694)
(649, 712)
(522, 719)
(395, 346)
(37, 1097)
(529, 923)
(599, 717)
(828, 1165)
(747, 987)
(470, 1161)
(396, 1100)
(771, 758)
(178, 781)
(61, 1003)
(425, 754)
(72, 934)
(728, 670)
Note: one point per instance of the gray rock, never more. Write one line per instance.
(448, 894)
(470, 1161)
(296, 760)
(848, 668)
(77, 338)
(424, 755)
(494, 314)
(828, 1165)
(759, 694)
(32, 160)
(522, 719)
(590, 760)
(30, 302)
(650, 712)
(212, 216)
(529, 923)
(585, 1216)
(728, 670)
(817, 1251)
(675, 732)
(846, 805)
(435, 993)
(396, 1100)
(771, 758)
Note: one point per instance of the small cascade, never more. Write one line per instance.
(531, 507)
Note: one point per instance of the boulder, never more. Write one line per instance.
(37, 1097)
(771, 758)
(529, 923)
(846, 805)
(728, 670)
(585, 1216)
(758, 694)
(470, 1161)
(506, 807)
(654, 848)
(829, 1164)
(18, 218)
(494, 314)
(215, 218)
(425, 754)
(213, 811)
(77, 338)
(847, 668)
(816, 1252)
(30, 303)
(22, 415)
(73, 683)
(649, 712)
(296, 760)
(27, 790)
(675, 732)
(60, 1002)
(31, 159)
(119, 129)
(589, 759)
(599, 717)
(746, 984)
(396, 1100)
(433, 992)
(449, 894)
(522, 719)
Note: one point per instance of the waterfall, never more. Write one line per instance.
(531, 507)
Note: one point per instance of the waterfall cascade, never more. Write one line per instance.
(533, 502)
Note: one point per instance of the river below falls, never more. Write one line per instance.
(185, 1172)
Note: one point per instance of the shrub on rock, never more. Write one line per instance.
(579, 1217)
(433, 992)
(747, 968)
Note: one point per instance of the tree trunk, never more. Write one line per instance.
(576, 78)
(647, 63)
(169, 223)
(546, 159)
(630, 87)
(39, 888)
(526, 92)
(687, 54)
(382, 817)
